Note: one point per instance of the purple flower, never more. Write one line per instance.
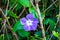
(30, 23)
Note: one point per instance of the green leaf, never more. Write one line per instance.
(1, 36)
(32, 38)
(35, 14)
(39, 33)
(52, 24)
(56, 34)
(47, 37)
(18, 7)
(8, 35)
(11, 2)
(23, 33)
(1, 19)
(12, 14)
(17, 26)
(25, 3)
(46, 21)
(42, 15)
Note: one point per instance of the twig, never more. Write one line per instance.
(1, 28)
(14, 34)
(48, 28)
(50, 6)
(49, 25)
(40, 19)
(32, 4)
(57, 21)
(26, 11)
(7, 34)
(53, 1)
(54, 28)
(9, 27)
(13, 5)
(44, 5)
(22, 12)
(7, 8)
(4, 27)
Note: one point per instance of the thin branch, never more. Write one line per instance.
(4, 27)
(54, 28)
(58, 20)
(7, 34)
(40, 19)
(9, 27)
(32, 4)
(1, 28)
(53, 1)
(13, 5)
(7, 8)
(22, 12)
(48, 28)
(50, 6)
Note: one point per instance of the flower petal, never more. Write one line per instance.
(33, 27)
(26, 28)
(23, 20)
(35, 21)
(29, 16)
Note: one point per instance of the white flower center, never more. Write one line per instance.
(29, 22)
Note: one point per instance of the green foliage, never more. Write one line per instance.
(23, 33)
(38, 33)
(18, 6)
(56, 34)
(12, 14)
(34, 13)
(50, 22)
(1, 36)
(11, 2)
(8, 36)
(42, 15)
(0, 19)
(17, 26)
(15, 9)
(25, 3)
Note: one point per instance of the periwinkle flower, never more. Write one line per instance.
(29, 23)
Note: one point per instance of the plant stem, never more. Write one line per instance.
(40, 19)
